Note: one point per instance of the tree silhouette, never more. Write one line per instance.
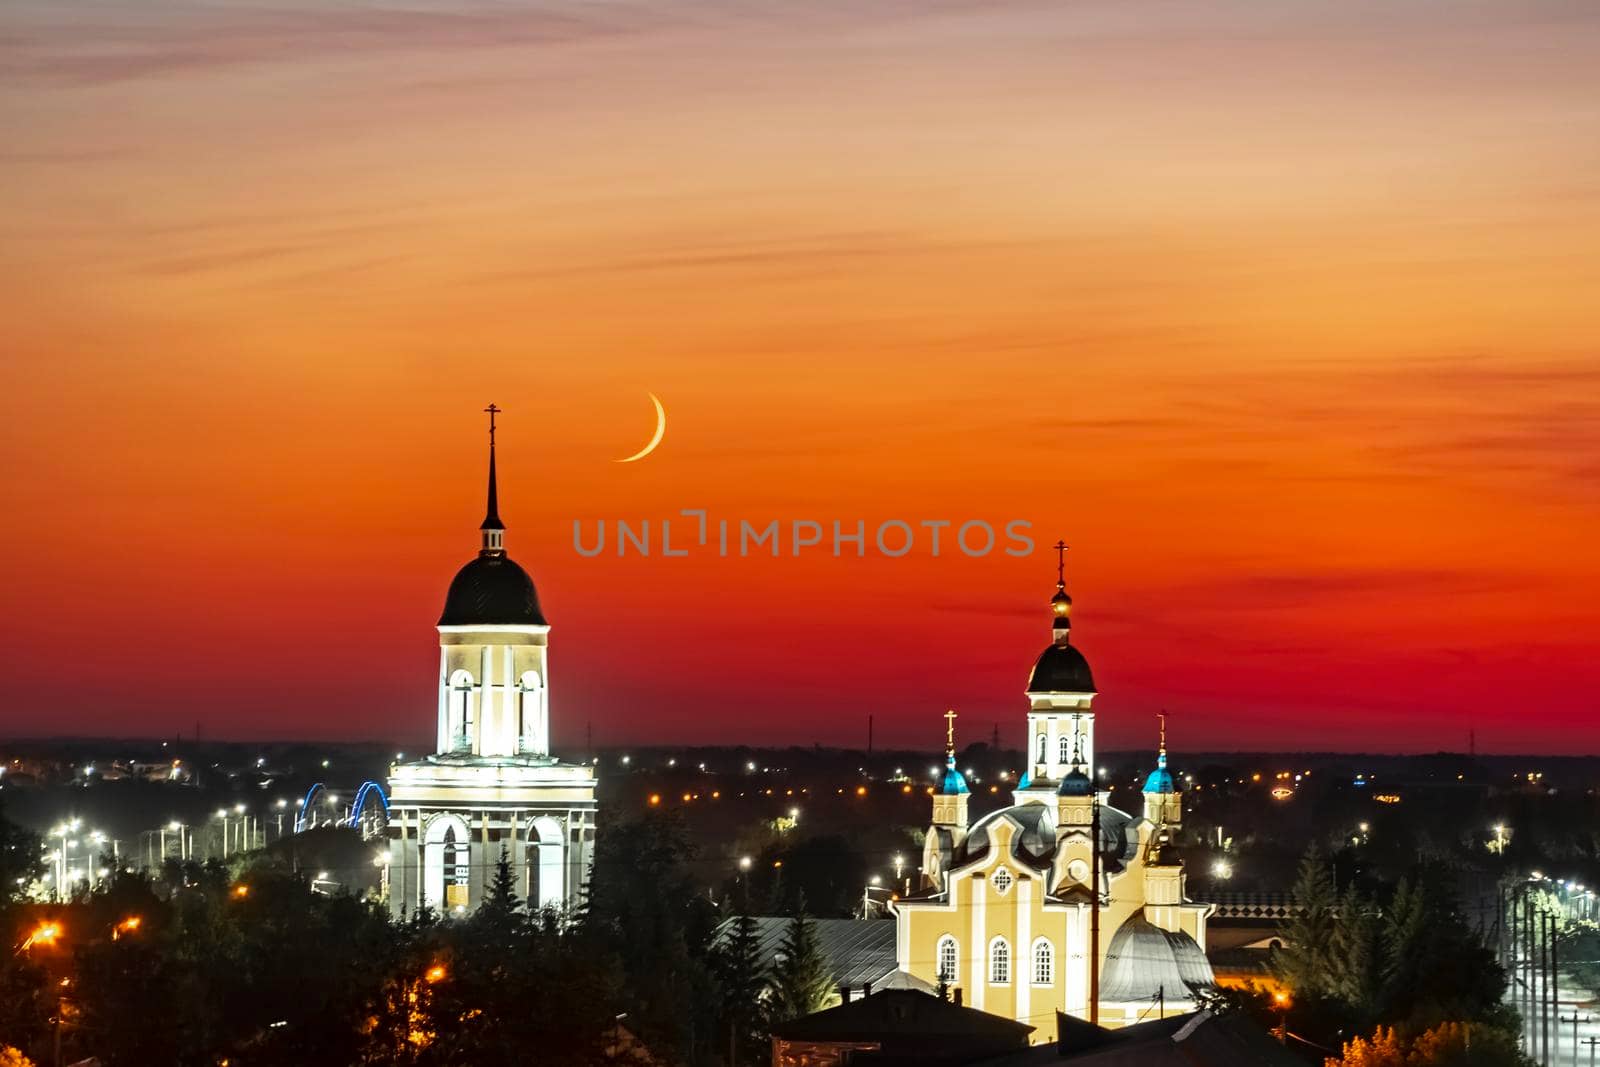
(800, 981)
(741, 976)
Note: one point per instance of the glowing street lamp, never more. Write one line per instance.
(46, 934)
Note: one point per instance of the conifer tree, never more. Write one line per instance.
(1356, 958)
(800, 981)
(1305, 961)
(501, 910)
(741, 977)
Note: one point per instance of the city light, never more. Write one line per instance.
(46, 933)
(435, 973)
(241, 891)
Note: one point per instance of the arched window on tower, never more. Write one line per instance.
(948, 961)
(455, 870)
(1044, 749)
(1065, 749)
(1044, 962)
(999, 961)
(460, 697)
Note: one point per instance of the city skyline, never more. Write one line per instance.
(1283, 322)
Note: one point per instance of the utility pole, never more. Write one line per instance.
(1094, 908)
(1544, 985)
(1591, 1042)
(1575, 1020)
(1527, 971)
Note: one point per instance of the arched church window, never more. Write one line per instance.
(1065, 750)
(455, 855)
(999, 961)
(1044, 750)
(1044, 962)
(947, 958)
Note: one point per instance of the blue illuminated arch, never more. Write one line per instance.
(367, 789)
(305, 808)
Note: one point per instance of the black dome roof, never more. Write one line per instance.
(492, 591)
(1061, 668)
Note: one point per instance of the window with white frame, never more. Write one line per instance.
(1044, 962)
(1000, 961)
(947, 958)
(1066, 750)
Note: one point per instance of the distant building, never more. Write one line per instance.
(1025, 911)
(491, 785)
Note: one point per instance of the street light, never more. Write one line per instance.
(46, 933)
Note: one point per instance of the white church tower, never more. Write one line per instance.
(1060, 694)
(491, 784)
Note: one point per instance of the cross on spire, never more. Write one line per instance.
(492, 528)
(950, 731)
(1163, 717)
(1061, 564)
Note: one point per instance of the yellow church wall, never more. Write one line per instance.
(977, 912)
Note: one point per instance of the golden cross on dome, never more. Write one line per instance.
(1061, 563)
(950, 730)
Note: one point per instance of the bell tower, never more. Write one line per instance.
(1060, 694)
(493, 649)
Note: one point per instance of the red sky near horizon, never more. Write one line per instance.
(1282, 315)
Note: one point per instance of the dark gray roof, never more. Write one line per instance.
(1194, 1039)
(1061, 668)
(858, 951)
(492, 591)
(1145, 961)
(902, 1014)
(1035, 843)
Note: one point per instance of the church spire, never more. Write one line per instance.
(1061, 603)
(1160, 780)
(493, 530)
(1076, 782)
(953, 783)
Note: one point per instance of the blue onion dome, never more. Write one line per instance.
(952, 784)
(1160, 780)
(1076, 783)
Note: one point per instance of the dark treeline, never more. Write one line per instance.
(243, 963)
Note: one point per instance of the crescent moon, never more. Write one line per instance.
(661, 429)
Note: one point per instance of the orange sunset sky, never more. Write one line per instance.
(1282, 314)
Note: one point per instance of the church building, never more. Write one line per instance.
(1058, 901)
(491, 786)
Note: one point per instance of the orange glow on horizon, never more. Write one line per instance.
(1286, 326)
